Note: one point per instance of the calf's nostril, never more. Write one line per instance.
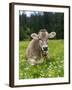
(45, 48)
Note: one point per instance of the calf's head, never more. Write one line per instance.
(42, 38)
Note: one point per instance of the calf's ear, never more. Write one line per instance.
(52, 35)
(34, 36)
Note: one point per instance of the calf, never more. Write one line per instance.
(38, 47)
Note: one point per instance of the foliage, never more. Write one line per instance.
(38, 20)
(53, 67)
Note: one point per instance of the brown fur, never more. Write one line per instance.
(33, 49)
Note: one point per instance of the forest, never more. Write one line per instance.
(33, 21)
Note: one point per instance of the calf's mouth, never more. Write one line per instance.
(44, 53)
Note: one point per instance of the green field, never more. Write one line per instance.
(54, 67)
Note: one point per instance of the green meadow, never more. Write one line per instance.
(53, 67)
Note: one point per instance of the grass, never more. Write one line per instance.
(54, 67)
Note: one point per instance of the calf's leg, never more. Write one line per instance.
(31, 61)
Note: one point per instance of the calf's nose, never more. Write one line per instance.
(45, 48)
